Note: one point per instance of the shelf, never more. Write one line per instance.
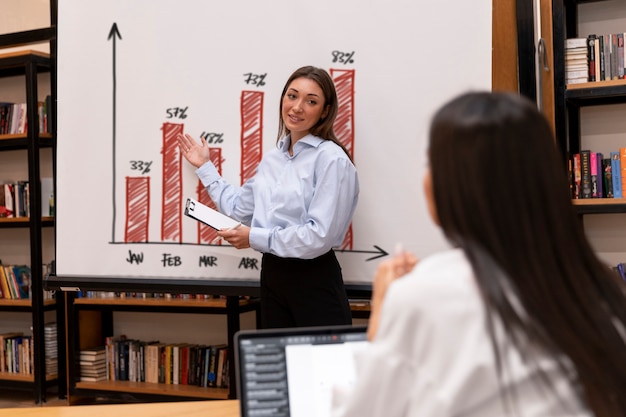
(15, 63)
(600, 205)
(156, 389)
(11, 222)
(5, 376)
(160, 302)
(18, 142)
(231, 307)
(23, 303)
(597, 93)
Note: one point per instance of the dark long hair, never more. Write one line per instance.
(324, 127)
(500, 188)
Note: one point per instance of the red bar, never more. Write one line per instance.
(251, 132)
(206, 234)
(172, 220)
(344, 123)
(137, 209)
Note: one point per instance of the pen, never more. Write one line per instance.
(235, 226)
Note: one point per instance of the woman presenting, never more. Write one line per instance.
(295, 209)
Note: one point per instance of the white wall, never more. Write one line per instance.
(603, 129)
(20, 15)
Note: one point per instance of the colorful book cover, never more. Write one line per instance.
(585, 174)
(607, 177)
(22, 280)
(616, 174)
(600, 173)
(593, 168)
(577, 175)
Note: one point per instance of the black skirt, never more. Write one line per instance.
(303, 292)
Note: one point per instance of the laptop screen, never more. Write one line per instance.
(291, 372)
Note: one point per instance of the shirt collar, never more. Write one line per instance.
(309, 140)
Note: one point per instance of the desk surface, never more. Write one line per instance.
(217, 408)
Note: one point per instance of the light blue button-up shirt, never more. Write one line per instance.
(297, 206)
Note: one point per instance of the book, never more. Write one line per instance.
(22, 280)
(213, 364)
(616, 174)
(4, 337)
(592, 56)
(93, 378)
(571, 43)
(205, 214)
(577, 175)
(620, 55)
(593, 167)
(585, 174)
(607, 179)
(600, 174)
(6, 200)
(602, 52)
(622, 161)
(93, 354)
(11, 281)
(222, 354)
(4, 283)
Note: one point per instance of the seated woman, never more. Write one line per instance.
(520, 318)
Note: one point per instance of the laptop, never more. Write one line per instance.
(291, 372)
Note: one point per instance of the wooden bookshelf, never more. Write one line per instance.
(171, 390)
(26, 303)
(5, 376)
(161, 302)
(597, 84)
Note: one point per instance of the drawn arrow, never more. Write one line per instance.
(380, 252)
(114, 33)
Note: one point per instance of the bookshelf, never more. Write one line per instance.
(91, 320)
(572, 99)
(25, 66)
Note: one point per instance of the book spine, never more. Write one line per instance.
(600, 171)
(622, 160)
(592, 57)
(616, 174)
(620, 55)
(608, 179)
(602, 58)
(577, 175)
(593, 168)
(585, 174)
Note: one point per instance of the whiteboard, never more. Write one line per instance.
(132, 73)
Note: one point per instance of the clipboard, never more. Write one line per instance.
(205, 214)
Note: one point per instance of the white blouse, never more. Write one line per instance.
(432, 355)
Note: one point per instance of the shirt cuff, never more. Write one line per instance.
(260, 239)
(208, 174)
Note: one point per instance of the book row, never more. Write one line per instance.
(595, 58)
(15, 198)
(144, 295)
(17, 351)
(596, 175)
(13, 120)
(15, 281)
(123, 359)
